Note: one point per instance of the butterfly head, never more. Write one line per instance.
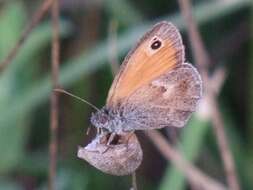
(107, 119)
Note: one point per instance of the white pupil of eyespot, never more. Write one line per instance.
(156, 44)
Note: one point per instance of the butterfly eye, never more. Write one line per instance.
(103, 119)
(156, 44)
(106, 111)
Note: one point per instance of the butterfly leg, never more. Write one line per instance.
(128, 138)
(109, 141)
(98, 130)
(111, 138)
(88, 130)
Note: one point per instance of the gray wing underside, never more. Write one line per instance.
(167, 101)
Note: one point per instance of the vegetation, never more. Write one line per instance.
(25, 86)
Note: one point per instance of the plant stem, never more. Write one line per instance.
(53, 147)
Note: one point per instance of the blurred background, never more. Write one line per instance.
(93, 35)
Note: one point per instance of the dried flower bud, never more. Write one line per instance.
(122, 156)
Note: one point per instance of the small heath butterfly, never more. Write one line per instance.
(154, 88)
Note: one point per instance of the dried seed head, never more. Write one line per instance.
(122, 157)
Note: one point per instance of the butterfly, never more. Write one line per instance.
(154, 87)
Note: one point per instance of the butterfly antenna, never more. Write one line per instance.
(74, 96)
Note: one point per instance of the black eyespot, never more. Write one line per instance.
(156, 44)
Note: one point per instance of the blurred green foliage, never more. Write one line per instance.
(25, 88)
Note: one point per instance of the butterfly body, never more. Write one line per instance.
(109, 119)
(154, 87)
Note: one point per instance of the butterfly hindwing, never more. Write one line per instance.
(168, 100)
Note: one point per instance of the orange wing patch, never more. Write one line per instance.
(160, 50)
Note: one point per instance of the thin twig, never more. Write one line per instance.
(193, 174)
(35, 20)
(53, 147)
(200, 54)
(134, 181)
(202, 60)
(112, 42)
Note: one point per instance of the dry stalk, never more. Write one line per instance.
(40, 13)
(194, 175)
(202, 60)
(53, 146)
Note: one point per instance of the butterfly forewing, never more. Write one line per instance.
(160, 50)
